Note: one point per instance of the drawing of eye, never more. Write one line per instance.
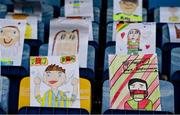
(72, 37)
(63, 36)
(59, 74)
(48, 74)
(14, 32)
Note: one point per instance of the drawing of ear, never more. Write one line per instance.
(76, 33)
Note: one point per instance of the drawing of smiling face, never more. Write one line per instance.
(66, 43)
(9, 36)
(128, 6)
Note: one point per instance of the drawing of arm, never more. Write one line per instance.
(37, 82)
(75, 89)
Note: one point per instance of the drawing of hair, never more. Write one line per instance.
(54, 67)
(66, 43)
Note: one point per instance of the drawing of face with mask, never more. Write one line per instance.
(138, 89)
(133, 41)
(66, 43)
(9, 36)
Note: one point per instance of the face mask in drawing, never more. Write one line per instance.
(138, 89)
(66, 43)
(9, 36)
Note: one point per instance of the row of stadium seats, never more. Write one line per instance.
(15, 96)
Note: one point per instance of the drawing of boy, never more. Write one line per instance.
(128, 7)
(138, 89)
(54, 77)
(133, 41)
(9, 42)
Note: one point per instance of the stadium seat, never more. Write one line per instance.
(4, 94)
(167, 47)
(52, 2)
(175, 65)
(46, 110)
(152, 4)
(111, 50)
(18, 70)
(3, 10)
(43, 51)
(24, 96)
(139, 112)
(167, 96)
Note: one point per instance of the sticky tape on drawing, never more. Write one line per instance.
(67, 59)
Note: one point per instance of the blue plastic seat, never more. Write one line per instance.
(89, 71)
(45, 110)
(4, 94)
(175, 63)
(153, 4)
(110, 15)
(166, 90)
(56, 3)
(111, 50)
(95, 9)
(3, 10)
(22, 70)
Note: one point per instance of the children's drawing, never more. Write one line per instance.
(128, 10)
(11, 41)
(174, 32)
(79, 8)
(54, 84)
(135, 38)
(31, 25)
(169, 14)
(66, 43)
(69, 37)
(134, 82)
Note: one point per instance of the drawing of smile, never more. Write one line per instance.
(52, 82)
(7, 42)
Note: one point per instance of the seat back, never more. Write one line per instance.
(152, 4)
(85, 93)
(4, 93)
(175, 63)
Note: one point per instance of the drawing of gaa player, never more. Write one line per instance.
(139, 91)
(128, 7)
(54, 77)
(9, 42)
(133, 41)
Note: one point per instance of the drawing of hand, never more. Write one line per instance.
(74, 81)
(37, 81)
